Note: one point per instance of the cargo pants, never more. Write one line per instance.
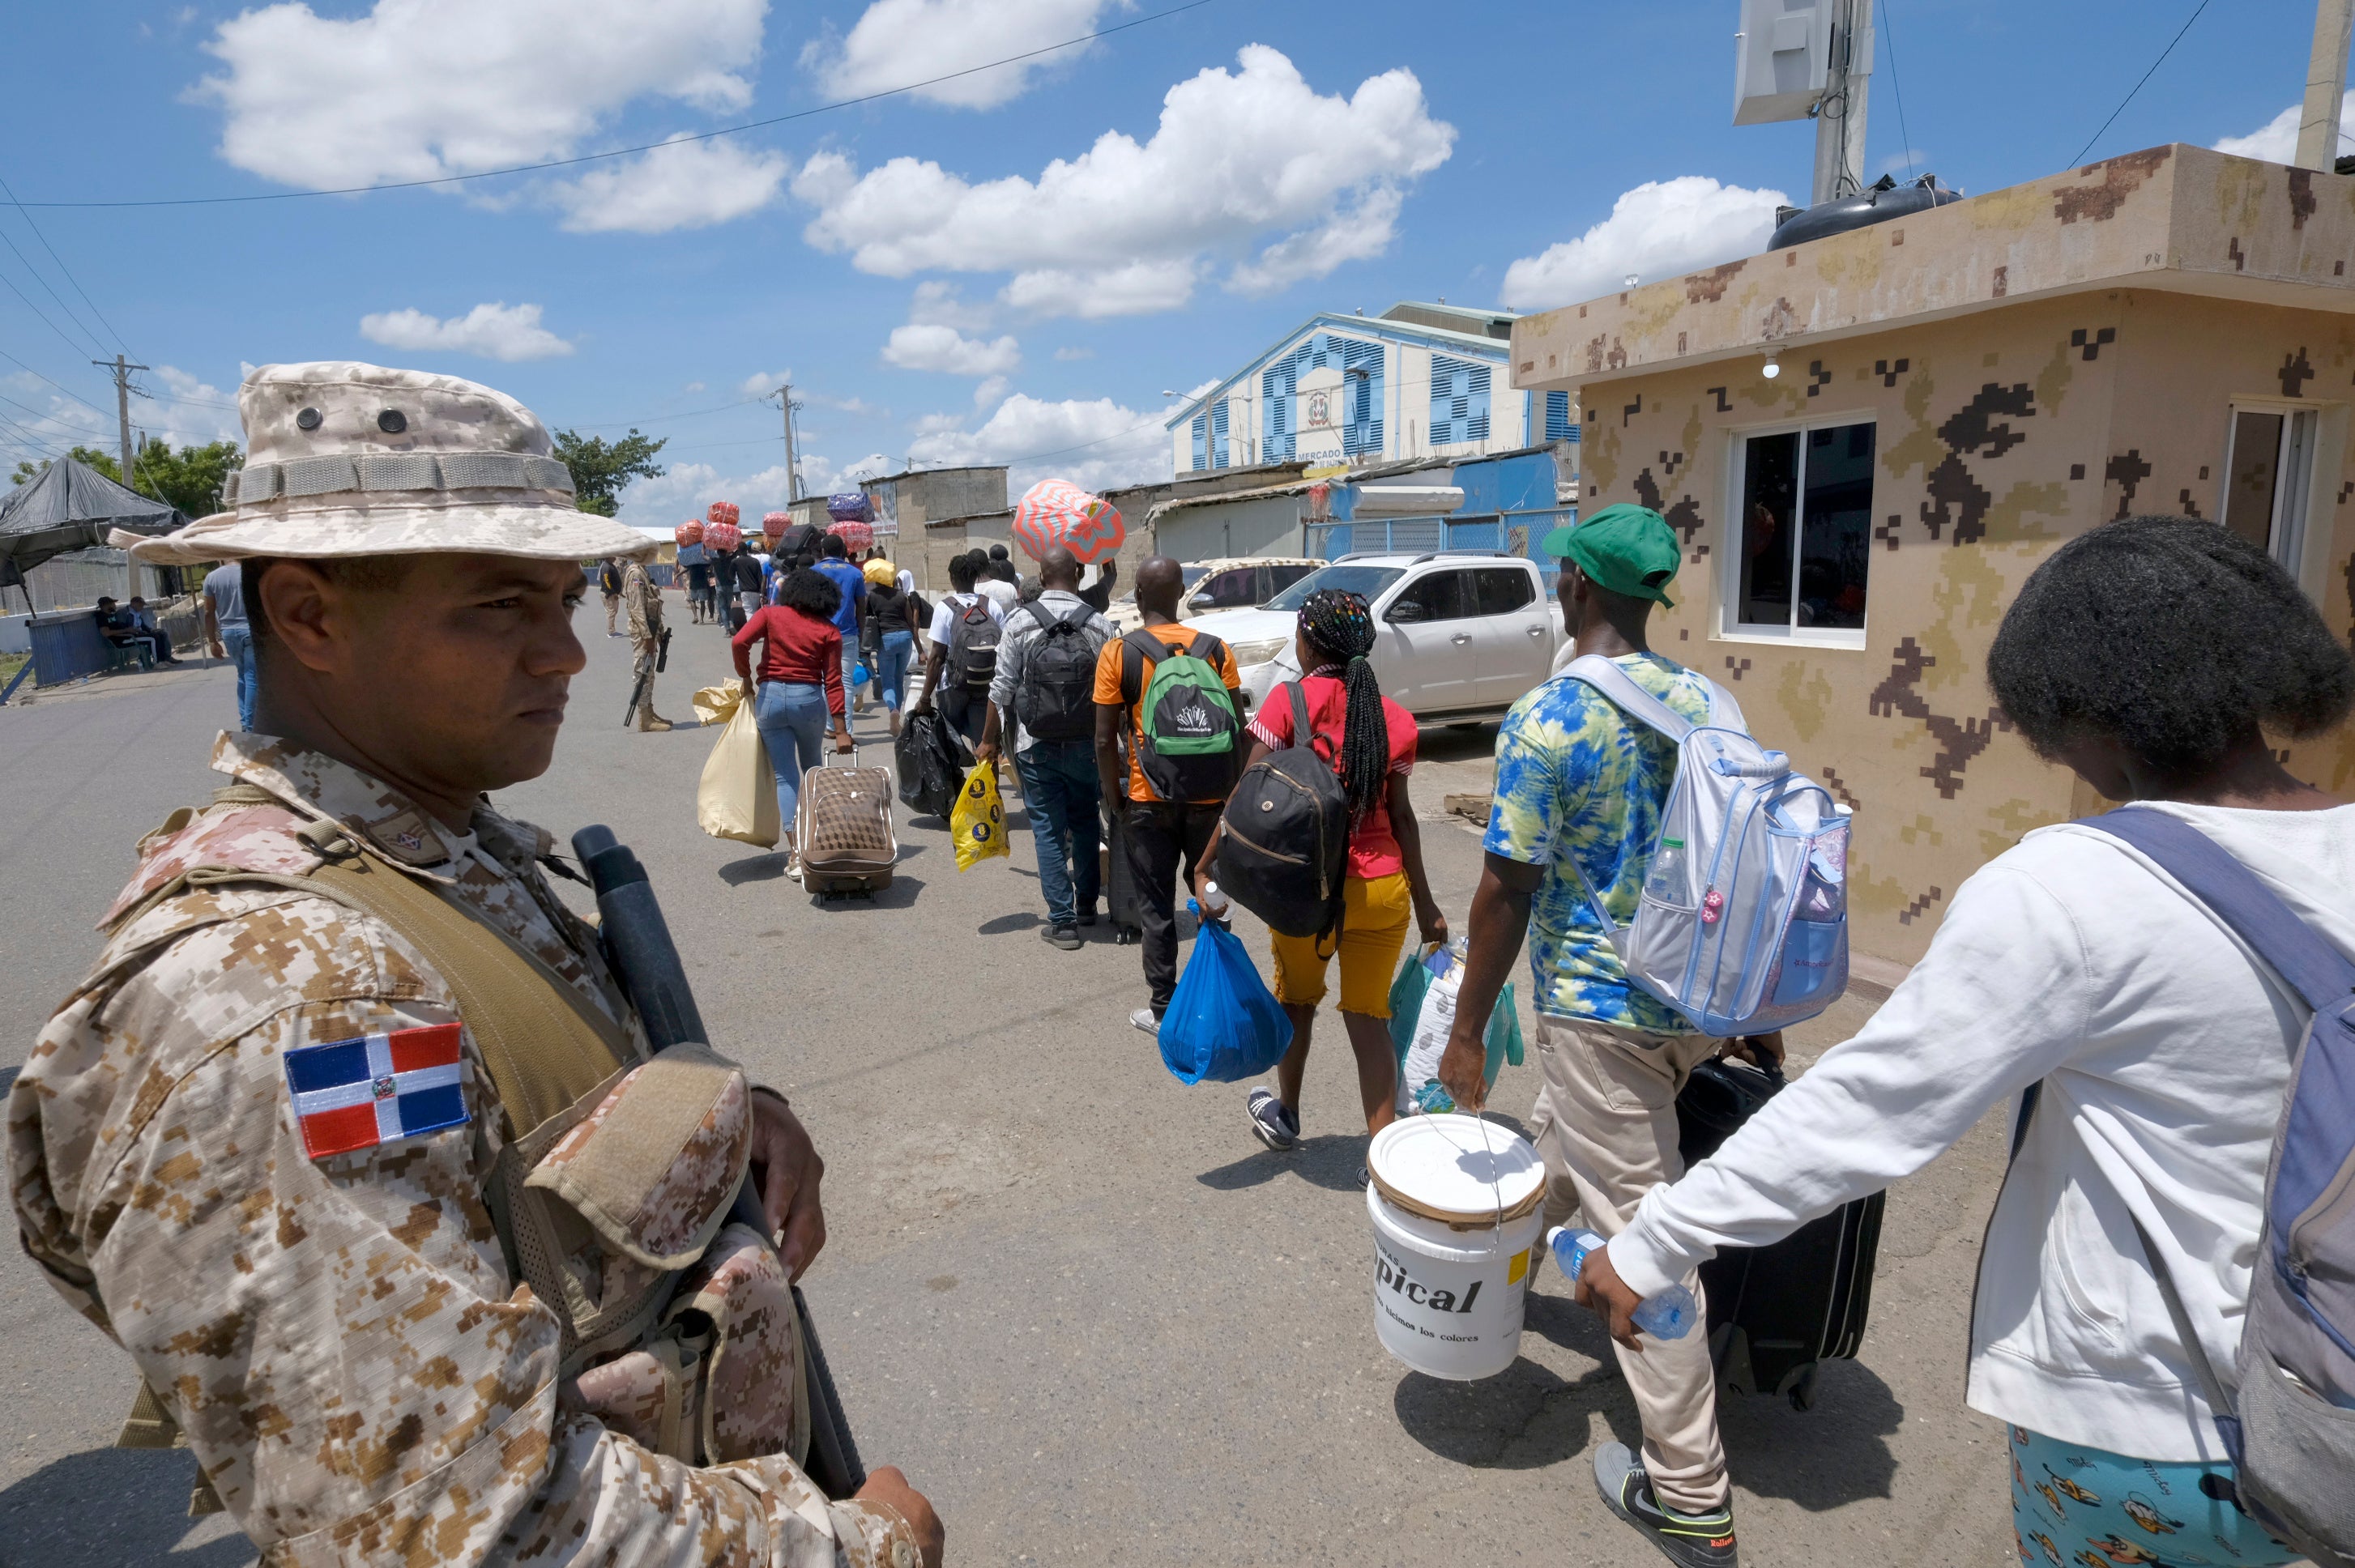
(1605, 1126)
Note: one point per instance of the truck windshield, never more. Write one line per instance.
(1366, 582)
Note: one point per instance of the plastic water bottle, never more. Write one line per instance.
(1667, 1316)
(1213, 902)
(1435, 1098)
(1666, 881)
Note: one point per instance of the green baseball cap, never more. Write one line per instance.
(1626, 548)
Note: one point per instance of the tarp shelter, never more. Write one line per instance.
(67, 506)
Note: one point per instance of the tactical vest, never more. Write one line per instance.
(611, 1193)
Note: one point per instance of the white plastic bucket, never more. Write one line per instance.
(1458, 1206)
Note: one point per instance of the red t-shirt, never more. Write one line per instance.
(1373, 848)
(795, 648)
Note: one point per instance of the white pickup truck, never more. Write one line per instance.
(1462, 635)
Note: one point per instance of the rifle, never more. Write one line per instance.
(638, 946)
(662, 650)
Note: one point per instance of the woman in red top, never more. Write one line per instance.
(801, 682)
(1368, 742)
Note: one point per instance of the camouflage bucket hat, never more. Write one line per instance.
(345, 459)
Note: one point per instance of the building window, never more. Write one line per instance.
(1201, 433)
(1218, 434)
(1559, 426)
(1804, 527)
(2268, 470)
(1459, 401)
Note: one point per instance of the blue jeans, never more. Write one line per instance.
(1061, 789)
(238, 642)
(792, 717)
(891, 672)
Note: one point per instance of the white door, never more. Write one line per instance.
(1427, 650)
(1510, 635)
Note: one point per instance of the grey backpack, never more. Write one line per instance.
(2291, 1431)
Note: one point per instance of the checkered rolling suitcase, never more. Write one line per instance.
(843, 829)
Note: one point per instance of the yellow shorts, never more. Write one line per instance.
(1374, 920)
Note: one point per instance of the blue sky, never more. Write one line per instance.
(937, 292)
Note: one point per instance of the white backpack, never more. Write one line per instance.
(1742, 925)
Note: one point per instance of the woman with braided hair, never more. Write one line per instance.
(1368, 742)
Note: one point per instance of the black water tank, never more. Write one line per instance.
(1886, 200)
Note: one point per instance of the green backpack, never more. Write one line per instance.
(1188, 733)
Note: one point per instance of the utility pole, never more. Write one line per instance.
(785, 396)
(2326, 83)
(122, 369)
(1839, 118)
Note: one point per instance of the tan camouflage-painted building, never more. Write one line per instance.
(1959, 391)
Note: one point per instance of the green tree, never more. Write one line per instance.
(189, 479)
(602, 469)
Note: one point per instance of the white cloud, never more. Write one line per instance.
(498, 331)
(692, 386)
(937, 305)
(38, 420)
(761, 383)
(1239, 158)
(1068, 352)
(990, 391)
(943, 348)
(2277, 141)
(1659, 229)
(1094, 443)
(896, 42)
(417, 88)
(679, 184)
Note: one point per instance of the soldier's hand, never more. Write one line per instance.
(786, 1166)
(889, 1488)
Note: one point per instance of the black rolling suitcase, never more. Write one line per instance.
(1776, 1312)
(1120, 883)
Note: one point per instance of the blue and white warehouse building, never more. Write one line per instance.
(1417, 381)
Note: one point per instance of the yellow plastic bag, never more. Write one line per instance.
(717, 704)
(977, 821)
(738, 797)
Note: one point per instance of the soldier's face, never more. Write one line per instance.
(456, 678)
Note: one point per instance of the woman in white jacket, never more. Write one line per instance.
(2151, 656)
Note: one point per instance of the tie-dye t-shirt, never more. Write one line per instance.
(1580, 788)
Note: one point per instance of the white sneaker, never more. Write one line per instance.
(1143, 1019)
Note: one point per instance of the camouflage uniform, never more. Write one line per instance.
(645, 603)
(360, 1378)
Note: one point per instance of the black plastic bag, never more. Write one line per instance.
(932, 765)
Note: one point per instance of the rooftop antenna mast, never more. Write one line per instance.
(1809, 60)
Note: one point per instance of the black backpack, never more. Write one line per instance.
(609, 577)
(1287, 850)
(1056, 698)
(974, 634)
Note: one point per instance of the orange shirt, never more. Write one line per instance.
(1109, 694)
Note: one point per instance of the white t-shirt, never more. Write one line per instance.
(1005, 596)
(952, 604)
(2164, 1050)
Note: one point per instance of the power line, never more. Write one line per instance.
(2129, 97)
(78, 348)
(38, 376)
(1889, 37)
(643, 147)
(10, 191)
(52, 292)
(658, 418)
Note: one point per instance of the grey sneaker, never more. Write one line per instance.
(1143, 1018)
(1276, 1125)
(1694, 1540)
(1064, 936)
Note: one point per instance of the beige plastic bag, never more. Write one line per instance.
(738, 797)
(716, 705)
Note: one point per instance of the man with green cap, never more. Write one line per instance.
(1579, 792)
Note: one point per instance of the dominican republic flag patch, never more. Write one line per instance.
(357, 1094)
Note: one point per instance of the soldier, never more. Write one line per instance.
(350, 1137)
(645, 600)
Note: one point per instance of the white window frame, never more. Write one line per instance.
(1729, 548)
(2299, 499)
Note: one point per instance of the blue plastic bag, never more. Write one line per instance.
(1406, 999)
(859, 675)
(1222, 1022)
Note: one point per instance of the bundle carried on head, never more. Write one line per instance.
(725, 512)
(722, 535)
(1339, 627)
(850, 506)
(687, 533)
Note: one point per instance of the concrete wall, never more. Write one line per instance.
(1262, 525)
(2000, 435)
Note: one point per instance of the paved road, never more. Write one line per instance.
(1091, 1317)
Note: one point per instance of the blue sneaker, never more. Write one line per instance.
(1692, 1541)
(1276, 1126)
